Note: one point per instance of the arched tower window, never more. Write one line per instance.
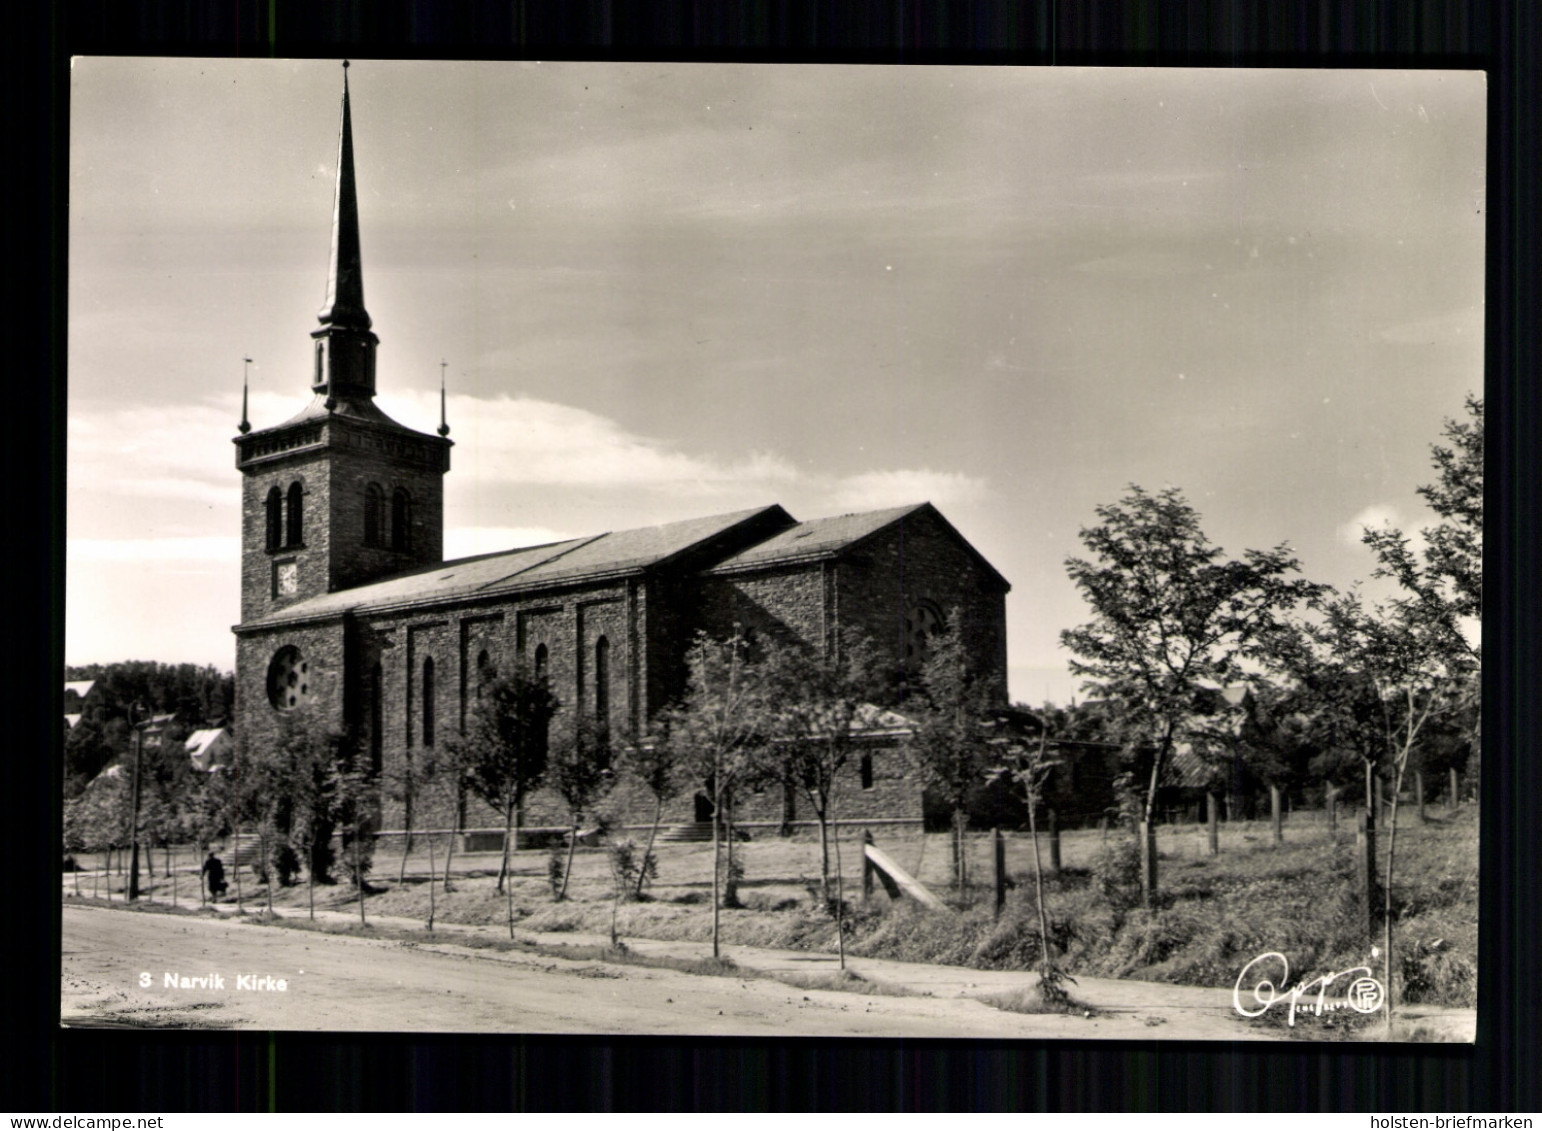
(401, 519)
(374, 514)
(295, 528)
(428, 701)
(602, 682)
(274, 516)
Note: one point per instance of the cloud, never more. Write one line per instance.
(469, 541)
(1458, 325)
(512, 452)
(526, 442)
(874, 489)
(1381, 516)
(143, 453)
(207, 548)
(1376, 516)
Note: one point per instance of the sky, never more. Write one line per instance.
(659, 291)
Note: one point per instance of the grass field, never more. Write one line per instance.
(1215, 913)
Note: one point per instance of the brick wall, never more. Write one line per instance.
(881, 582)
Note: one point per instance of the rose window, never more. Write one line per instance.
(289, 680)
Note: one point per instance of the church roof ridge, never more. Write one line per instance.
(819, 537)
(616, 553)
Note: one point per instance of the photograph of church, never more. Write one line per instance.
(544, 374)
(351, 614)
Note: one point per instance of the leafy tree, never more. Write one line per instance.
(816, 705)
(718, 732)
(949, 741)
(578, 770)
(1443, 581)
(656, 765)
(505, 747)
(1030, 765)
(1404, 649)
(1171, 615)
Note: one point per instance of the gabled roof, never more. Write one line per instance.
(831, 537)
(614, 554)
(819, 538)
(81, 687)
(204, 746)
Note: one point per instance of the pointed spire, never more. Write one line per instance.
(444, 424)
(246, 425)
(344, 307)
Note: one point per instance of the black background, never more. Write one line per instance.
(47, 1069)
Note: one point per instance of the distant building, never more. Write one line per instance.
(350, 616)
(209, 749)
(76, 692)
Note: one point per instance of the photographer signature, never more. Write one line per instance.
(1364, 994)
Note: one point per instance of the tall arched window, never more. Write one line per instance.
(376, 720)
(401, 519)
(428, 701)
(275, 518)
(374, 514)
(293, 534)
(602, 682)
(542, 735)
(483, 677)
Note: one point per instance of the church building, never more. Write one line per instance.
(350, 614)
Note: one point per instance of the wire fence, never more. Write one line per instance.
(172, 875)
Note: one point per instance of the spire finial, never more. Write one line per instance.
(345, 279)
(245, 426)
(444, 424)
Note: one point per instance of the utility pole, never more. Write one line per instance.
(135, 710)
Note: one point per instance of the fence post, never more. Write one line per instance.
(999, 868)
(1274, 813)
(1419, 794)
(1365, 869)
(1212, 818)
(1148, 863)
(867, 866)
(1333, 812)
(1054, 844)
(1451, 797)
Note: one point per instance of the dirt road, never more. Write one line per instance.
(150, 970)
(116, 966)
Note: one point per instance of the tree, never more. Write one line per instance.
(949, 741)
(1030, 765)
(1171, 615)
(1403, 649)
(1443, 582)
(578, 771)
(718, 731)
(656, 765)
(504, 749)
(816, 708)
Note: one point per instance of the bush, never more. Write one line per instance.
(1116, 872)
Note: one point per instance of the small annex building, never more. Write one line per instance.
(351, 618)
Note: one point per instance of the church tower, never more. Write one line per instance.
(340, 494)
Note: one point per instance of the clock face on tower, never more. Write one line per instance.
(286, 579)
